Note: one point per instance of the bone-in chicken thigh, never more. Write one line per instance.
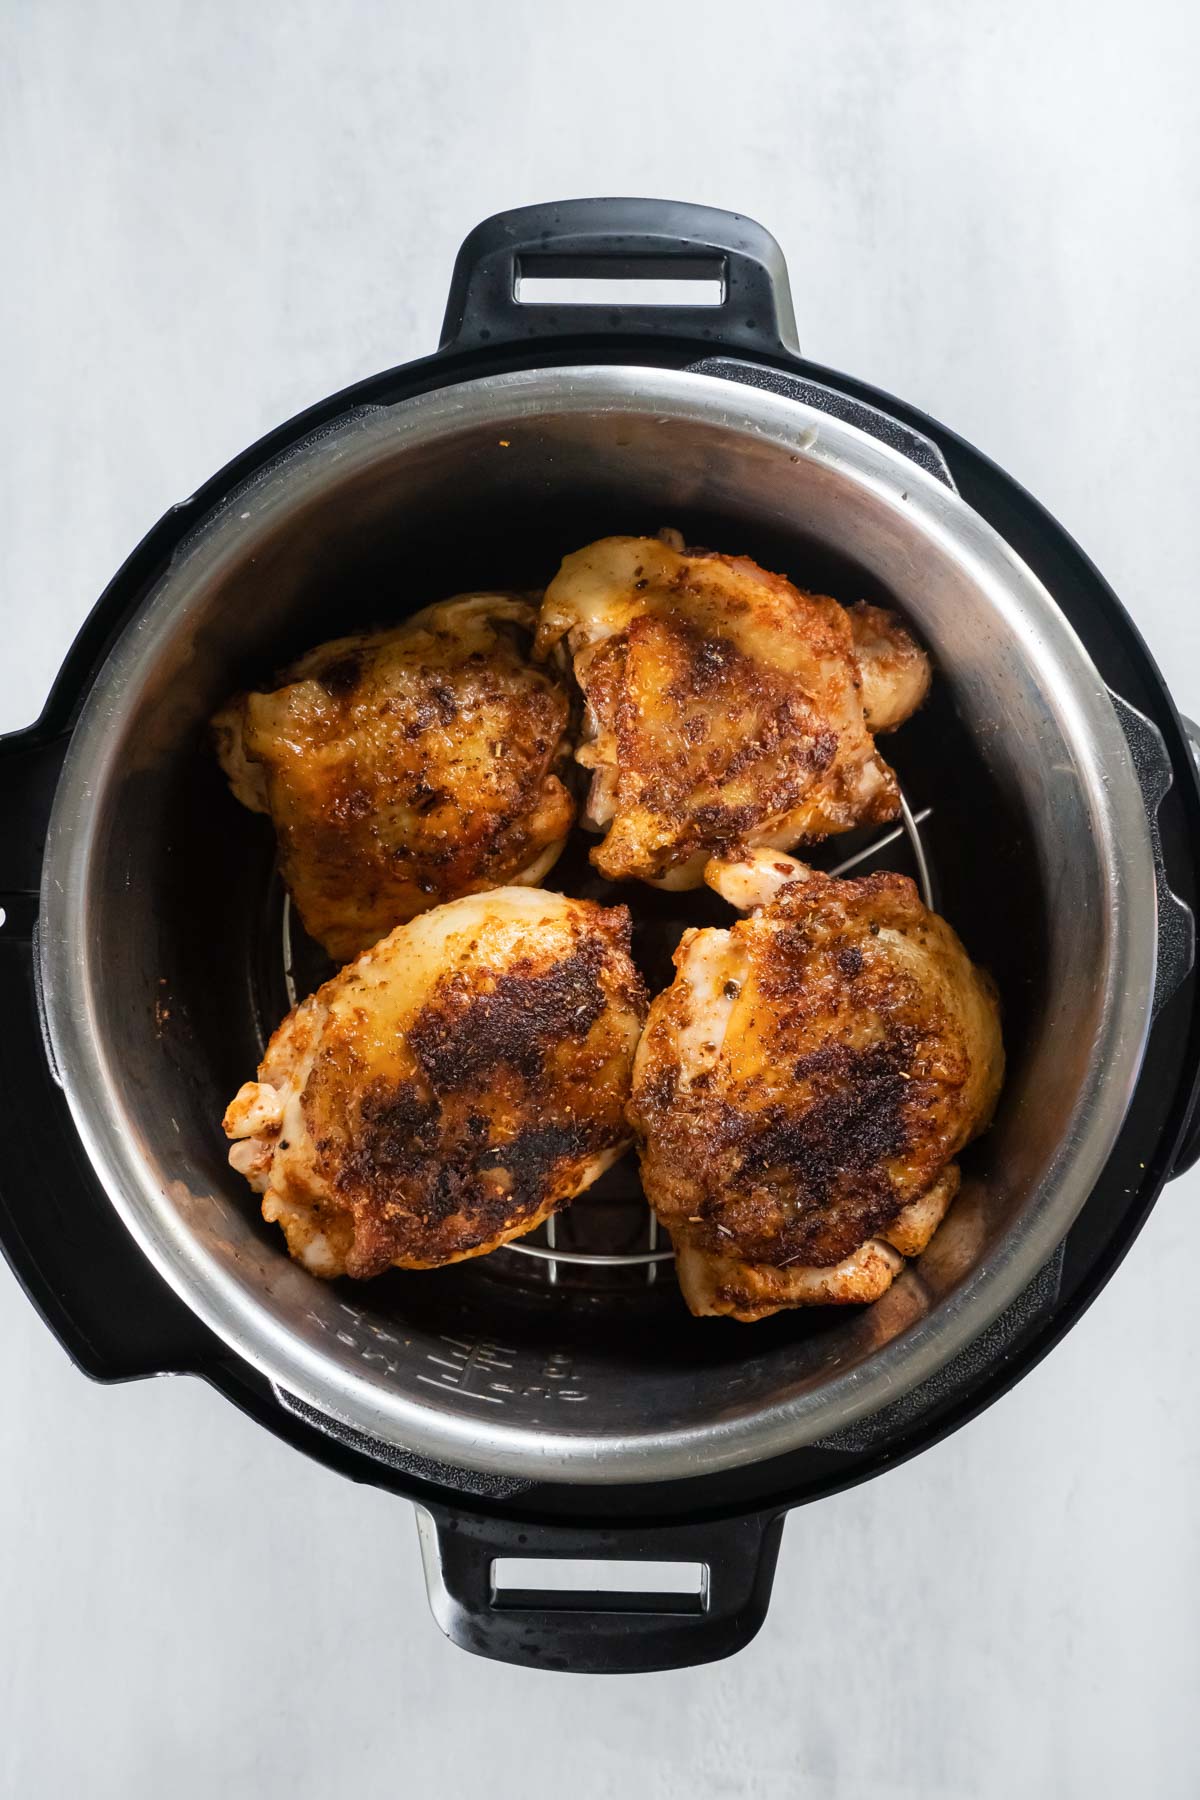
(803, 1087)
(407, 767)
(448, 1089)
(723, 705)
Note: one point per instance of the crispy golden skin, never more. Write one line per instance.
(450, 1088)
(802, 1088)
(404, 768)
(724, 705)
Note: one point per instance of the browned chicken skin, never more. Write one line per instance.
(448, 1089)
(802, 1088)
(724, 705)
(407, 767)
(893, 671)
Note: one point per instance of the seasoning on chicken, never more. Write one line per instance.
(723, 705)
(803, 1087)
(407, 767)
(450, 1088)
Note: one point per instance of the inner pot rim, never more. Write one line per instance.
(230, 1307)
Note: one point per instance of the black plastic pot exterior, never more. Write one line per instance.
(118, 1319)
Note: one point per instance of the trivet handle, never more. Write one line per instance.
(622, 240)
(727, 1567)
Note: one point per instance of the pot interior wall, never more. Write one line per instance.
(183, 905)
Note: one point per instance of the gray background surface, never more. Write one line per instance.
(219, 213)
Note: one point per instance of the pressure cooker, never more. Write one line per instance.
(554, 1405)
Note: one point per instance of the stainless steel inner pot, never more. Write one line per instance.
(158, 896)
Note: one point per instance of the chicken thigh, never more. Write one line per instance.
(803, 1087)
(723, 705)
(403, 768)
(450, 1088)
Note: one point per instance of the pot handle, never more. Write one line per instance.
(29, 765)
(1188, 1152)
(661, 240)
(1176, 924)
(115, 1317)
(712, 1605)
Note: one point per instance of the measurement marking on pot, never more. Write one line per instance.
(484, 1347)
(464, 1360)
(449, 1387)
(384, 1337)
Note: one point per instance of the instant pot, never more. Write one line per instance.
(557, 1405)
